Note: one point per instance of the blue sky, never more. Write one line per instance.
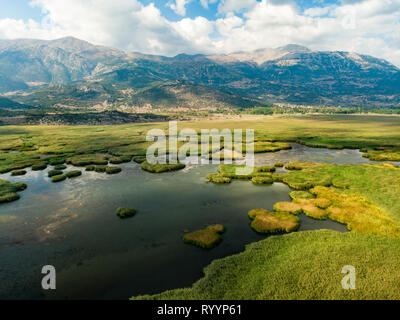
(170, 27)
(21, 9)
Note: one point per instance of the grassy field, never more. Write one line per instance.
(367, 132)
(304, 265)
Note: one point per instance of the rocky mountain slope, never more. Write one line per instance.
(292, 73)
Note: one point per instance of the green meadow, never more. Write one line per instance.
(297, 265)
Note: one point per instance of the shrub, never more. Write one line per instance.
(113, 170)
(279, 165)
(59, 178)
(18, 173)
(90, 168)
(53, 173)
(124, 213)
(73, 174)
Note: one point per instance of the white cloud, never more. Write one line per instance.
(205, 3)
(368, 26)
(237, 6)
(179, 6)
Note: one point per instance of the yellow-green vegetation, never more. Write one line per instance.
(39, 166)
(368, 204)
(53, 173)
(124, 213)
(382, 153)
(301, 195)
(18, 173)
(113, 170)
(90, 168)
(279, 165)
(217, 178)
(288, 207)
(262, 180)
(59, 178)
(266, 169)
(73, 174)
(255, 212)
(207, 238)
(218, 228)
(139, 159)
(228, 172)
(87, 159)
(119, 160)
(160, 168)
(302, 266)
(8, 190)
(100, 169)
(309, 208)
(60, 167)
(273, 222)
(267, 146)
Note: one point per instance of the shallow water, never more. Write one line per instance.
(72, 225)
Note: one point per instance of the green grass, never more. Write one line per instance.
(262, 180)
(100, 169)
(60, 167)
(53, 173)
(273, 222)
(303, 266)
(73, 174)
(113, 170)
(87, 159)
(59, 178)
(124, 213)
(207, 238)
(8, 190)
(301, 195)
(160, 168)
(39, 167)
(18, 173)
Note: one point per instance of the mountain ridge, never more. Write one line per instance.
(292, 73)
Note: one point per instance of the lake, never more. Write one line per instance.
(72, 225)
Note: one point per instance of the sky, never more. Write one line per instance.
(170, 27)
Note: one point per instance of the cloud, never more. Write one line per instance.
(179, 6)
(367, 26)
(237, 6)
(205, 3)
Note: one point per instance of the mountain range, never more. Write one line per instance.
(73, 72)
